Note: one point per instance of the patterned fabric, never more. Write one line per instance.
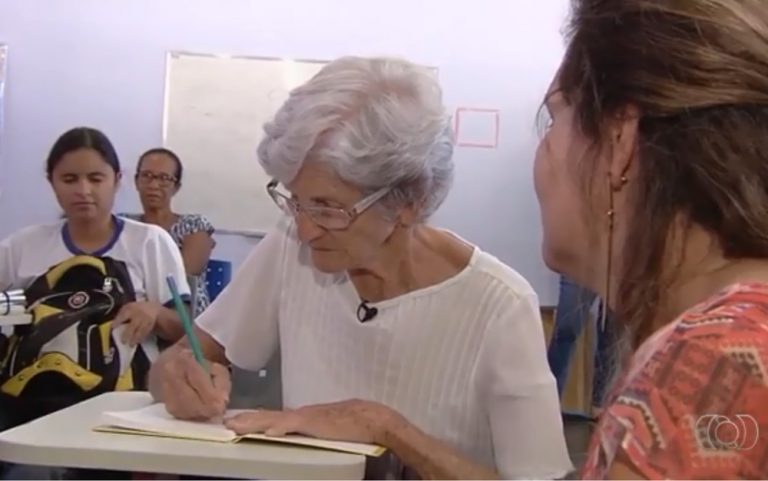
(188, 224)
(694, 402)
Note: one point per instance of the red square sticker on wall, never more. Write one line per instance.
(476, 127)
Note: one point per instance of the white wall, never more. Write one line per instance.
(102, 63)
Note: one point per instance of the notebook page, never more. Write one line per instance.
(155, 418)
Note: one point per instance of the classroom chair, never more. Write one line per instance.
(218, 275)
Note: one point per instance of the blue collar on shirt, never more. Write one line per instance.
(71, 247)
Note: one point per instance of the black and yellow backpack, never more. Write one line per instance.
(68, 354)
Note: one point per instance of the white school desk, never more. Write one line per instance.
(15, 319)
(66, 438)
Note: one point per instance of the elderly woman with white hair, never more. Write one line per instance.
(390, 330)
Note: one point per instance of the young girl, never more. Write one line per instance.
(84, 172)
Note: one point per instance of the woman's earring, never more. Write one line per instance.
(608, 267)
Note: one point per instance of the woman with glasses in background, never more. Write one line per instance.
(158, 178)
(366, 300)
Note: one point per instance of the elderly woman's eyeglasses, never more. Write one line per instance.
(332, 218)
(164, 180)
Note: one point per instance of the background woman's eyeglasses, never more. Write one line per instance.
(164, 180)
(332, 218)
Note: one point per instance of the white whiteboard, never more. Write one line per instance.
(215, 108)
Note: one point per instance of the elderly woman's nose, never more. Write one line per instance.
(308, 229)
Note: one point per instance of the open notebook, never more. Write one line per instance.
(154, 420)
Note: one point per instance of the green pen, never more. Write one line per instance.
(181, 310)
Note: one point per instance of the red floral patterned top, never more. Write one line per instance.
(694, 401)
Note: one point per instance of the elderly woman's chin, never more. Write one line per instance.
(329, 261)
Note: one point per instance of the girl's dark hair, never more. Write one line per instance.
(82, 138)
(163, 151)
(698, 73)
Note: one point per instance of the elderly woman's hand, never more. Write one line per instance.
(354, 420)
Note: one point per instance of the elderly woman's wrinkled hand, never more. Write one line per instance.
(354, 420)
